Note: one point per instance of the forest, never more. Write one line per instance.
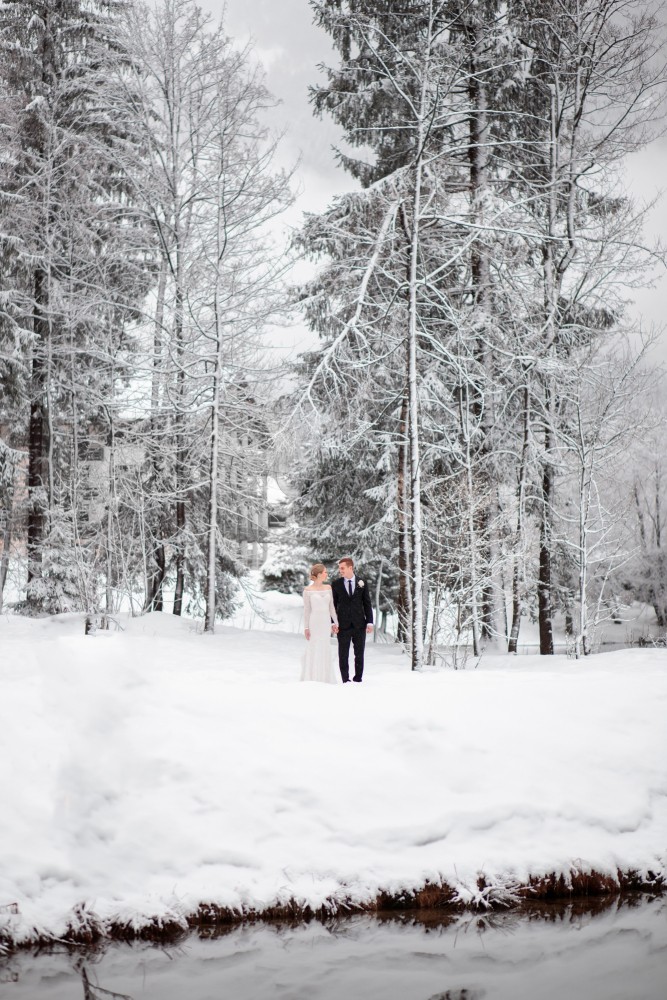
(480, 420)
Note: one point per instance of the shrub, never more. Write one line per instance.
(287, 570)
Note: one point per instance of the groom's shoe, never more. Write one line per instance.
(357, 680)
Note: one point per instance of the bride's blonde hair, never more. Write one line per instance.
(316, 570)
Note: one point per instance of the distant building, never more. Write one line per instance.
(243, 478)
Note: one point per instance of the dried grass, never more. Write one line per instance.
(436, 901)
(582, 884)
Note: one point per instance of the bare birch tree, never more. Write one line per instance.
(598, 435)
(210, 193)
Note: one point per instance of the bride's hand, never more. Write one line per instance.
(307, 633)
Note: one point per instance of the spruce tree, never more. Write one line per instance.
(72, 272)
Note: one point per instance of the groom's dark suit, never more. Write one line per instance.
(354, 614)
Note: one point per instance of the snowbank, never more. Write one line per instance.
(147, 771)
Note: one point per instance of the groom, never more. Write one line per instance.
(355, 618)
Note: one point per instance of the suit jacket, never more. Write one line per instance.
(355, 611)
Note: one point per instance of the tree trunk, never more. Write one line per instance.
(6, 544)
(417, 620)
(435, 627)
(581, 638)
(111, 576)
(154, 598)
(479, 138)
(403, 608)
(378, 591)
(181, 450)
(658, 516)
(513, 643)
(209, 618)
(544, 601)
(38, 476)
(544, 594)
(414, 409)
(474, 582)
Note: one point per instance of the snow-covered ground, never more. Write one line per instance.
(284, 612)
(146, 771)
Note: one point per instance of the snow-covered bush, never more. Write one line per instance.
(66, 582)
(228, 571)
(287, 570)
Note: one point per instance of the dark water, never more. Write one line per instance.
(567, 953)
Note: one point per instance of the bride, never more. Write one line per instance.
(318, 613)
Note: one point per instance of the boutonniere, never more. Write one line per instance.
(360, 583)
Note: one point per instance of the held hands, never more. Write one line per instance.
(334, 630)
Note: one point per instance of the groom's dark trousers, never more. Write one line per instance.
(356, 637)
(354, 612)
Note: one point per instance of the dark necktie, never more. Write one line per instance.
(349, 587)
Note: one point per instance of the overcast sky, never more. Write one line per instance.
(290, 47)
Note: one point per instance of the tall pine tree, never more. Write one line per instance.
(73, 268)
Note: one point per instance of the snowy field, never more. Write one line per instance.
(148, 770)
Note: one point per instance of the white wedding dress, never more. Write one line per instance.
(318, 612)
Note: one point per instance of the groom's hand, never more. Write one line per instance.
(369, 629)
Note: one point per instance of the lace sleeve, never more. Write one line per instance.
(306, 609)
(332, 610)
